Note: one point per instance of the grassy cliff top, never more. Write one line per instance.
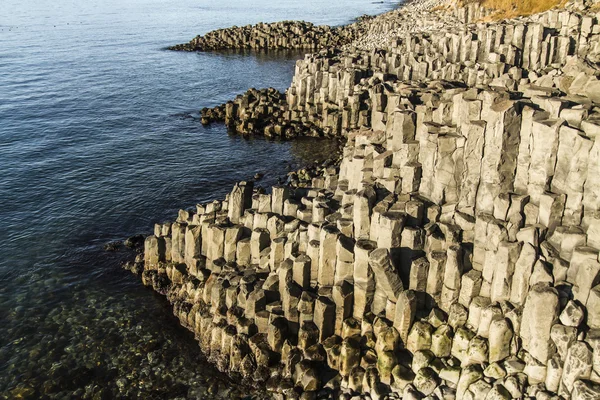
(515, 8)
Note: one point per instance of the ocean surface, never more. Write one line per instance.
(99, 139)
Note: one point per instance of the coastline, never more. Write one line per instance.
(418, 264)
(281, 35)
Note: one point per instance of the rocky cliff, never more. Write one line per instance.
(454, 251)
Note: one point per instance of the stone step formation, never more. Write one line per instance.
(454, 251)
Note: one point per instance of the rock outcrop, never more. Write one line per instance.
(286, 35)
(454, 251)
(260, 112)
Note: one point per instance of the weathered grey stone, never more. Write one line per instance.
(386, 276)
(419, 337)
(324, 317)
(593, 308)
(488, 315)
(454, 267)
(259, 240)
(578, 365)
(308, 335)
(349, 356)
(554, 372)
(232, 235)
(343, 298)
(572, 314)
(469, 375)
(386, 361)
(500, 336)
(460, 344)
(426, 380)
(506, 259)
(255, 302)
(275, 225)
(495, 371)
(277, 254)
(457, 316)
(441, 341)
(355, 380)
(193, 244)
(390, 229)
(419, 274)
(451, 374)
(307, 376)
(475, 311)
(422, 359)
(344, 269)
(435, 277)
(539, 313)
(243, 254)
(522, 273)
(406, 308)
(477, 352)
(240, 199)
(178, 242)
(588, 276)
(154, 252)
(279, 195)
(290, 298)
(437, 317)
(363, 204)
(499, 392)
(402, 377)
(585, 390)
(312, 251)
(301, 270)
(327, 255)
(469, 287)
(277, 334)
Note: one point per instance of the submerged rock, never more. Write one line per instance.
(113, 246)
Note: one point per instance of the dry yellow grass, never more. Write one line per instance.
(515, 8)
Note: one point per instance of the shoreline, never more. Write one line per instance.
(443, 256)
(297, 35)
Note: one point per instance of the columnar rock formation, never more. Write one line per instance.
(333, 92)
(260, 112)
(549, 54)
(453, 253)
(284, 35)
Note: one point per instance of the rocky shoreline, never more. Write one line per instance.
(274, 36)
(452, 253)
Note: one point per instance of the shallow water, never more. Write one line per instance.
(96, 144)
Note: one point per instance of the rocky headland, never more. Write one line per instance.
(451, 253)
(286, 35)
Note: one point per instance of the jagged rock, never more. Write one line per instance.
(572, 315)
(578, 365)
(585, 390)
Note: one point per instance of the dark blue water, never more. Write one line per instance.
(96, 144)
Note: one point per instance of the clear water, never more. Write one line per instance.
(96, 144)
